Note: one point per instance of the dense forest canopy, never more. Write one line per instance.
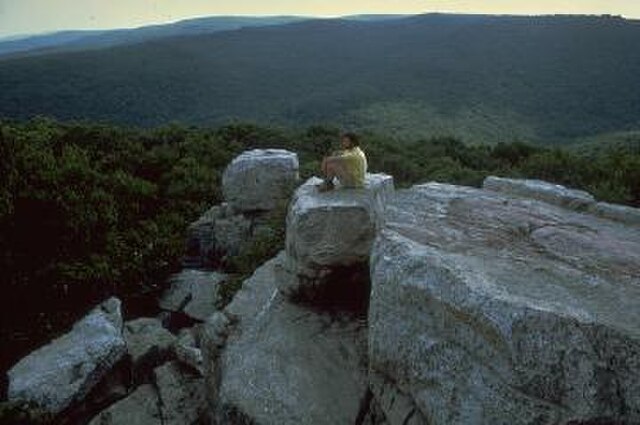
(90, 210)
(548, 79)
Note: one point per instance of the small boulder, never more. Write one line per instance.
(187, 351)
(194, 293)
(259, 179)
(148, 343)
(65, 370)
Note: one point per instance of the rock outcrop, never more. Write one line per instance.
(332, 229)
(488, 307)
(514, 304)
(271, 360)
(65, 370)
(578, 200)
(256, 183)
(282, 363)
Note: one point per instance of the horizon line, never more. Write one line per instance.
(21, 36)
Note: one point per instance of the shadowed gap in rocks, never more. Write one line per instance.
(343, 293)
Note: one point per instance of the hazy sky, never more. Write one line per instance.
(34, 16)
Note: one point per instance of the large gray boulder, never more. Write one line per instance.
(490, 308)
(282, 364)
(65, 370)
(260, 179)
(336, 228)
(194, 293)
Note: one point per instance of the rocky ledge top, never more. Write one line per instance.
(527, 252)
(514, 305)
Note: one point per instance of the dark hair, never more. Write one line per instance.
(352, 137)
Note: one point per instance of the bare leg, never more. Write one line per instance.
(328, 173)
(336, 169)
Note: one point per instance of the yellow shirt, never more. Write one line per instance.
(355, 167)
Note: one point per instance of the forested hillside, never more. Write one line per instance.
(478, 78)
(90, 210)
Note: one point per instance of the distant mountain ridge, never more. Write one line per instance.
(477, 77)
(80, 40)
(94, 39)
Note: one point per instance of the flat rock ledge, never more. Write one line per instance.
(577, 200)
(65, 370)
(332, 229)
(491, 308)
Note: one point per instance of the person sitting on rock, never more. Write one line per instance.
(349, 165)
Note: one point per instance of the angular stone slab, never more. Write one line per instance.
(139, 408)
(148, 342)
(187, 351)
(66, 369)
(194, 293)
(283, 364)
(182, 395)
(335, 228)
(260, 179)
(622, 213)
(492, 309)
(537, 189)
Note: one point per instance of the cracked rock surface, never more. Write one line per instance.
(282, 363)
(491, 308)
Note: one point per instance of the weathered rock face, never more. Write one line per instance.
(487, 308)
(578, 200)
(219, 233)
(187, 351)
(259, 179)
(282, 364)
(541, 190)
(333, 229)
(66, 369)
(140, 408)
(620, 213)
(176, 398)
(182, 396)
(148, 344)
(194, 293)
